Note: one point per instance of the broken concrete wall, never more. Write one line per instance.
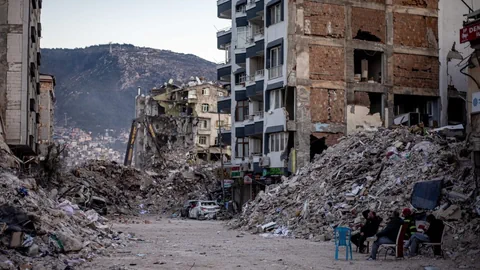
(368, 20)
(331, 70)
(328, 105)
(431, 4)
(324, 20)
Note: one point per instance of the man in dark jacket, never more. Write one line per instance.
(433, 234)
(369, 229)
(387, 235)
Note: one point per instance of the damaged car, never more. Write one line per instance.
(204, 210)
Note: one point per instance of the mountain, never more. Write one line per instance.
(96, 86)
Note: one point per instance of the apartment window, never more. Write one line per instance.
(241, 112)
(33, 33)
(275, 57)
(255, 146)
(276, 99)
(220, 123)
(204, 124)
(275, 14)
(278, 141)
(206, 92)
(34, 4)
(205, 107)
(242, 147)
(202, 140)
(242, 37)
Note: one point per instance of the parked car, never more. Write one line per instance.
(204, 210)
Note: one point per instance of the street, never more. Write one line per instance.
(190, 244)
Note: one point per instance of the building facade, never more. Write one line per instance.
(304, 73)
(20, 32)
(46, 106)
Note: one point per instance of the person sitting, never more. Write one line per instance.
(387, 235)
(433, 234)
(369, 229)
(409, 219)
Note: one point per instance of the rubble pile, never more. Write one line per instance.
(37, 232)
(109, 187)
(370, 170)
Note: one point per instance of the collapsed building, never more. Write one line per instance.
(304, 73)
(179, 118)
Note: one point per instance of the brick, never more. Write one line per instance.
(415, 71)
(369, 20)
(362, 99)
(327, 106)
(412, 30)
(432, 4)
(324, 20)
(327, 63)
(330, 138)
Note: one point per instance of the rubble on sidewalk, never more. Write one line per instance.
(371, 170)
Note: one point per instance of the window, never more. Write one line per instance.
(241, 37)
(274, 57)
(202, 140)
(204, 124)
(255, 146)
(276, 99)
(205, 107)
(220, 123)
(242, 147)
(241, 112)
(220, 93)
(278, 142)
(206, 92)
(275, 14)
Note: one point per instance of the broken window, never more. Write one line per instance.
(456, 111)
(241, 111)
(368, 66)
(415, 109)
(317, 146)
(205, 107)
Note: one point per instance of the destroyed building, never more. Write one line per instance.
(46, 106)
(304, 73)
(20, 58)
(183, 115)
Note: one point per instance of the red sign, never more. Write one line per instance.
(469, 33)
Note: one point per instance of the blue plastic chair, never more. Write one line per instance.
(342, 239)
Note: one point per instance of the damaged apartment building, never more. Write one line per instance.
(183, 116)
(20, 33)
(304, 73)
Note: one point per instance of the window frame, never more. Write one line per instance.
(243, 144)
(200, 140)
(278, 142)
(275, 13)
(275, 57)
(256, 146)
(276, 99)
(242, 106)
(207, 106)
(206, 91)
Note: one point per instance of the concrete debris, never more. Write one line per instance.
(370, 170)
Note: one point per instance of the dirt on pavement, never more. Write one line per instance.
(190, 244)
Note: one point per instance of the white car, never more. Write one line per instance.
(204, 210)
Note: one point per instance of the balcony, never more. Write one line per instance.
(258, 114)
(224, 38)
(224, 71)
(224, 104)
(275, 72)
(224, 9)
(259, 74)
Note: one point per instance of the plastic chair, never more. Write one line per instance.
(342, 239)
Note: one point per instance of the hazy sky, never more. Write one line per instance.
(186, 26)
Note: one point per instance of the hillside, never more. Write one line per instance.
(96, 87)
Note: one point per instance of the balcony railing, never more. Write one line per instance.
(275, 72)
(260, 73)
(258, 114)
(259, 31)
(225, 128)
(250, 78)
(224, 31)
(223, 63)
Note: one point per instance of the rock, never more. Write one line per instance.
(33, 251)
(69, 242)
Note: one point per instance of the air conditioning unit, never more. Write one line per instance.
(265, 161)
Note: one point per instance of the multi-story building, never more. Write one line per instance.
(46, 106)
(304, 73)
(20, 32)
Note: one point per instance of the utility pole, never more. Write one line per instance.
(220, 143)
